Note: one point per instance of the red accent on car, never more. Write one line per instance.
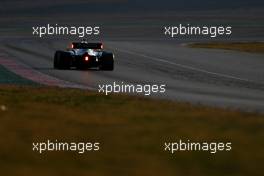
(86, 58)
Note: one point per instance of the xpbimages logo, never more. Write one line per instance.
(51, 146)
(186, 30)
(212, 147)
(80, 31)
(146, 89)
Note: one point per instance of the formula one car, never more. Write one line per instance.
(83, 55)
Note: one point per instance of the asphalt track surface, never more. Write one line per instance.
(219, 78)
(143, 54)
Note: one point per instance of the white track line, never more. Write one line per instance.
(182, 66)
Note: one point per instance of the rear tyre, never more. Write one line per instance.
(61, 60)
(107, 62)
(56, 61)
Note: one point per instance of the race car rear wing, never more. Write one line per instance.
(78, 45)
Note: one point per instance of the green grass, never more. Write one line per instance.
(131, 131)
(252, 47)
